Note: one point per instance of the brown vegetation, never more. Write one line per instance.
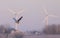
(52, 29)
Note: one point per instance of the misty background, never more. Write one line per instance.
(33, 14)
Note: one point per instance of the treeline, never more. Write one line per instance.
(52, 29)
(9, 32)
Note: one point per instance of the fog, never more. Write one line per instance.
(33, 14)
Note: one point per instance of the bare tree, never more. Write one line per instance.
(52, 29)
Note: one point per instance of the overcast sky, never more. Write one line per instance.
(33, 14)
